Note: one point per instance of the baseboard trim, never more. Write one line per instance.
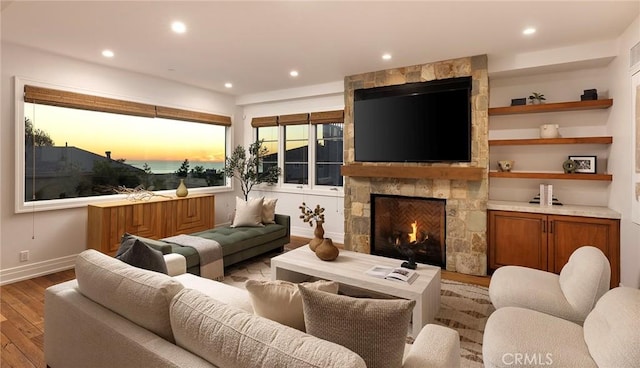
(20, 273)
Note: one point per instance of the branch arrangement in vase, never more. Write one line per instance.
(310, 215)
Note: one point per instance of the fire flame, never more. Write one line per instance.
(414, 234)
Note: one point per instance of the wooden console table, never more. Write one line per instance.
(156, 218)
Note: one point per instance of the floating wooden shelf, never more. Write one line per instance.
(526, 142)
(539, 175)
(552, 107)
(414, 172)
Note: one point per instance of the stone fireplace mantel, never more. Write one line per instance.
(414, 172)
(464, 185)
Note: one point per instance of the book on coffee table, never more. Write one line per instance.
(393, 273)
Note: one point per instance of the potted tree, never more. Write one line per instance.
(246, 167)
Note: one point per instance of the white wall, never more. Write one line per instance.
(53, 238)
(323, 97)
(622, 153)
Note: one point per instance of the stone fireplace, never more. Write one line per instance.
(400, 225)
(465, 195)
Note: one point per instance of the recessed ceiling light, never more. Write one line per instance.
(386, 56)
(529, 31)
(228, 85)
(293, 73)
(107, 53)
(178, 27)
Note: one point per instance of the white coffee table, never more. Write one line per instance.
(349, 269)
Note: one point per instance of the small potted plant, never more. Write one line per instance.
(536, 98)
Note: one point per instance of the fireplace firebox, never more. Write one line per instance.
(402, 227)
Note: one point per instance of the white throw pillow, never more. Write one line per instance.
(280, 301)
(248, 213)
(269, 211)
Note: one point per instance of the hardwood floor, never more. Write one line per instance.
(22, 313)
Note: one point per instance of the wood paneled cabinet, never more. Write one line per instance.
(545, 242)
(157, 218)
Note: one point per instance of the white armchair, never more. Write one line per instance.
(518, 337)
(570, 295)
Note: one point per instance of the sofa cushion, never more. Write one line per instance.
(612, 329)
(376, 329)
(248, 213)
(136, 253)
(280, 301)
(219, 291)
(229, 337)
(138, 295)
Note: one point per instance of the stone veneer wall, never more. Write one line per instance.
(466, 209)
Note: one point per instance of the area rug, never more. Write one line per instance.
(463, 307)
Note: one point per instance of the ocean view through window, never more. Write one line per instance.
(72, 153)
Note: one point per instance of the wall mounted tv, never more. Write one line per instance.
(414, 122)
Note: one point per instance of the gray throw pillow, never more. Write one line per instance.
(136, 253)
(375, 329)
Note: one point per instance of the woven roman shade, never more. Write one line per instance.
(265, 121)
(326, 117)
(293, 119)
(188, 115)
(54, 97)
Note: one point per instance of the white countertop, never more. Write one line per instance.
(567, 209)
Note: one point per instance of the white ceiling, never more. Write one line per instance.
(255, 44)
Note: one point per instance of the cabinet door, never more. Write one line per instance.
(191, 214)
(568, 233)
(517, 239)
(145, 219)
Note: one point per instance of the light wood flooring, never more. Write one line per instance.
(22, 314)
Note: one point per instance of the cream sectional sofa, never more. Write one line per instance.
(117, 315)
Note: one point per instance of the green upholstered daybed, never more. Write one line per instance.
(238, 243)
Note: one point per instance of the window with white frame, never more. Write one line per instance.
(312, 146)
(78, 145)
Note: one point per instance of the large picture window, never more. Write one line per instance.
(269, 137)
(72, 152)
(296, 155)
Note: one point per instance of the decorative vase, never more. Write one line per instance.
(182, 190)
(319, 236)
(326, 251)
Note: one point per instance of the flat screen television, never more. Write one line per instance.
(414, 122)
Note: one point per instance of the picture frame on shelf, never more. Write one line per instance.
(585, 164)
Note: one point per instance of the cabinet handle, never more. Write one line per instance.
(550, 227)
(544, 227)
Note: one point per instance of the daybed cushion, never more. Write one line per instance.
(280, 300)
(237, 239)
(229, 337)
(376, 329)
(138, 295)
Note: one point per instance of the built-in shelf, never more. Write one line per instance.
(552, 107)
(414, 172)
(540, 175)
(534, 141)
